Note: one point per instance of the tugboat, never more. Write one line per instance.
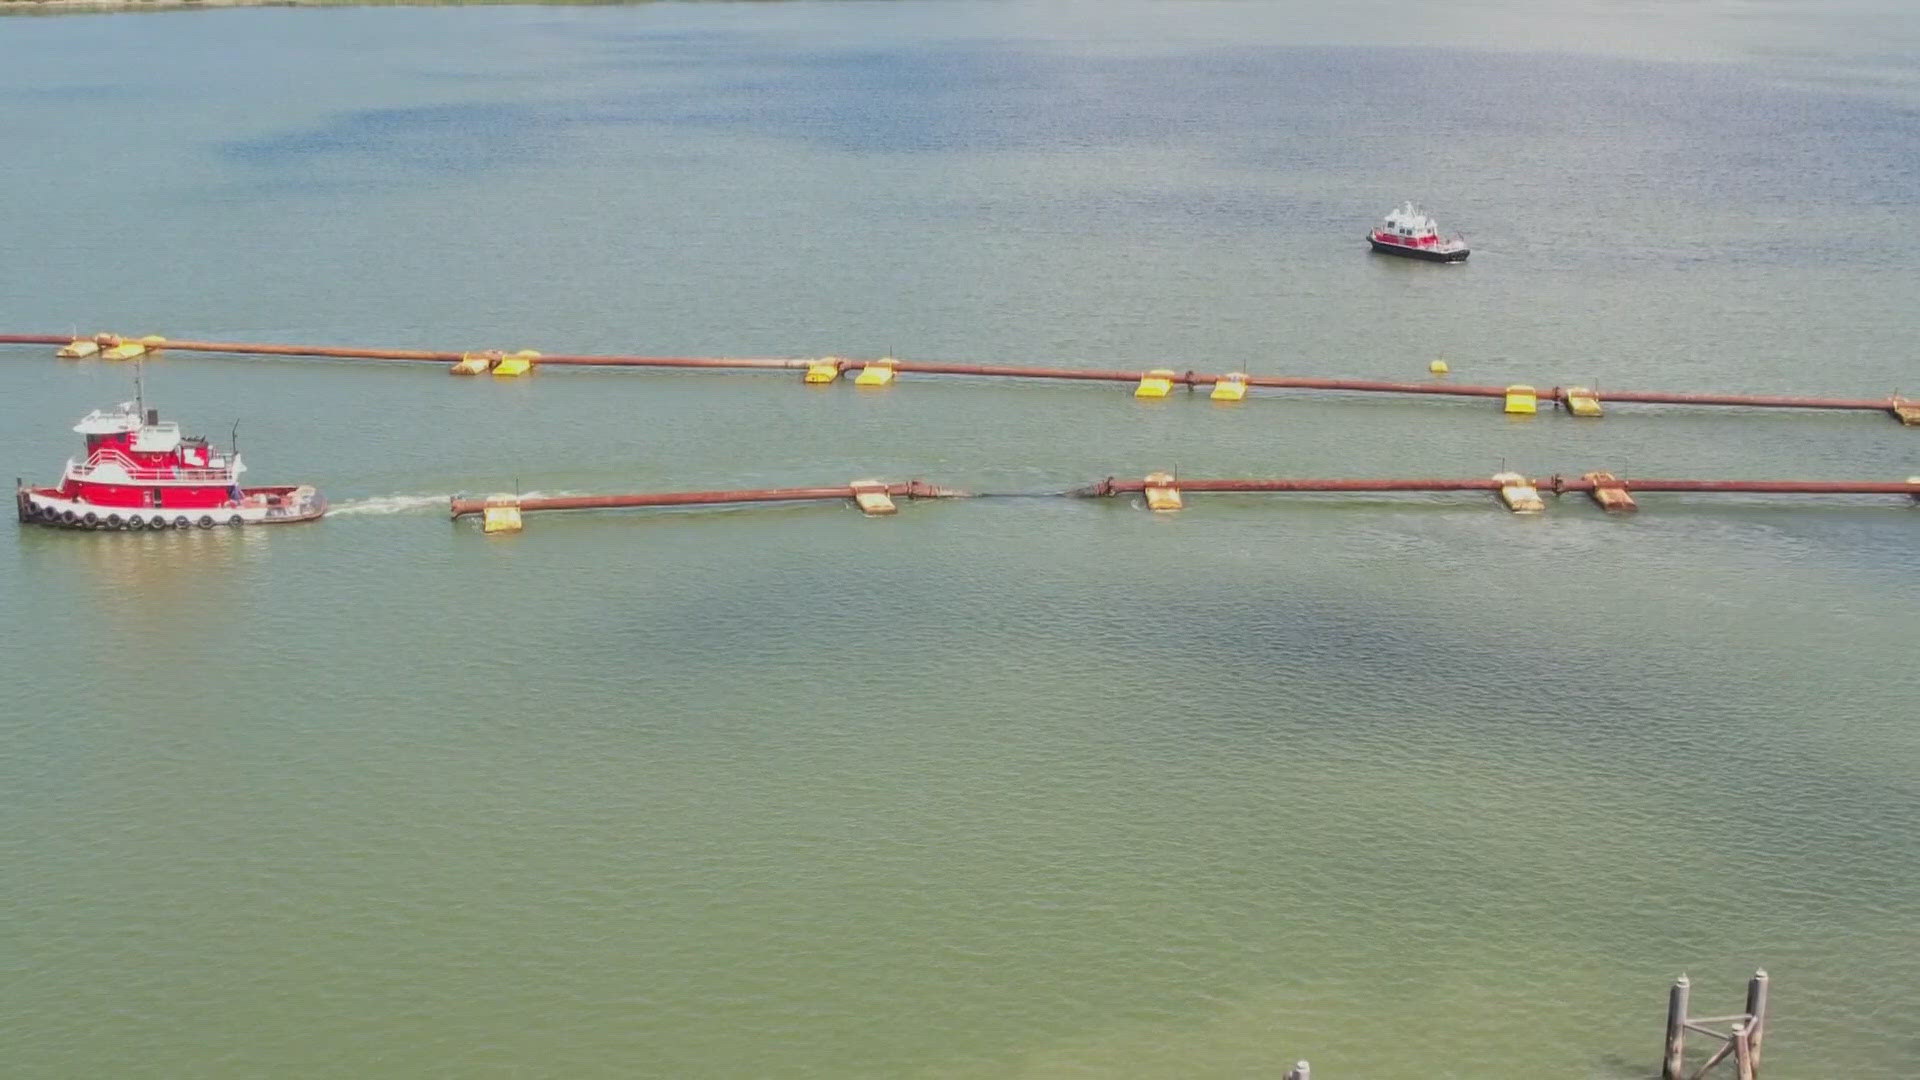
(1410, 233)
(142, 474)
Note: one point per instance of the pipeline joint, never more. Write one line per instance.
(876, 373)
(474, 363)
(501, 514)
(1610, 493)
(1157, 383)
(872, 497)
(1231, 387)
(1162, 491)
(1519, 495)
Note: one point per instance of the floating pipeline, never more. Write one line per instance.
(1148, 383)
(501, 513)
(1521, 495)
(1556, 485)
(1163, 492)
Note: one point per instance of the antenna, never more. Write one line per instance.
(139, 396)
(233, 440)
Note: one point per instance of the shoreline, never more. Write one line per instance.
(82, 7)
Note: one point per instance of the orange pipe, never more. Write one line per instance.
(1189, 378)
(1551, 484)
(914, 489)
(917, 489)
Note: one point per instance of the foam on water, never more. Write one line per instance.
(387, 504)
(408, 504)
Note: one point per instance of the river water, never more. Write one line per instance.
(1406, 786)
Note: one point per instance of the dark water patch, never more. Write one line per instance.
(1375, 105)
(1750, 158)
(415, 143)
(1747, 150)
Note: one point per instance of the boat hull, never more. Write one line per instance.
(1427, 254)
(259, 506)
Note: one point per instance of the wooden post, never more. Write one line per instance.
(1300, 1071)
(1757, 1009)
(1676, 1059)
(1742, 1053)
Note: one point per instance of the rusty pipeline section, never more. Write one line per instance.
(1906, 409)
(1112, 486)
(1559, 484)
(1597, 484)
(341, 352)
(1555, 485)
(913, 489)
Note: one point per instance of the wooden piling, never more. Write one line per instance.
(1742, 1053)
(1675, 1066)
(1300, 1071)
(1757, 1011)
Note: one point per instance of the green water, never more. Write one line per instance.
(1029, 787)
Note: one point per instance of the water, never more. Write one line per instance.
(1406, 786)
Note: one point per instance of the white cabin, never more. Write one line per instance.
(1409, 222)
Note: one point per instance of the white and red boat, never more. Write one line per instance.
(1409, 232)
(140, 473)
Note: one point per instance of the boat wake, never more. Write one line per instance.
(388, 504)
(381, 505)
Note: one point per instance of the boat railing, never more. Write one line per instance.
(136, 472)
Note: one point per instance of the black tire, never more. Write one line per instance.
(181, 522)
(91, 519)
(69, 517)
(236, 521)
(49, 514)
(206, 521)
(136, 522)
(115, 521)
(156, 522)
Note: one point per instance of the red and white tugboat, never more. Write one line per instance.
(1409, 232)
(142, 474)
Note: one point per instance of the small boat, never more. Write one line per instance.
(1413, 234)
(140, 473)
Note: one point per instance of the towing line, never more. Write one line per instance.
(1521, 399)
(1164, 492)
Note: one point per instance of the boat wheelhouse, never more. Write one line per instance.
(1413, 234)
(141, 473)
